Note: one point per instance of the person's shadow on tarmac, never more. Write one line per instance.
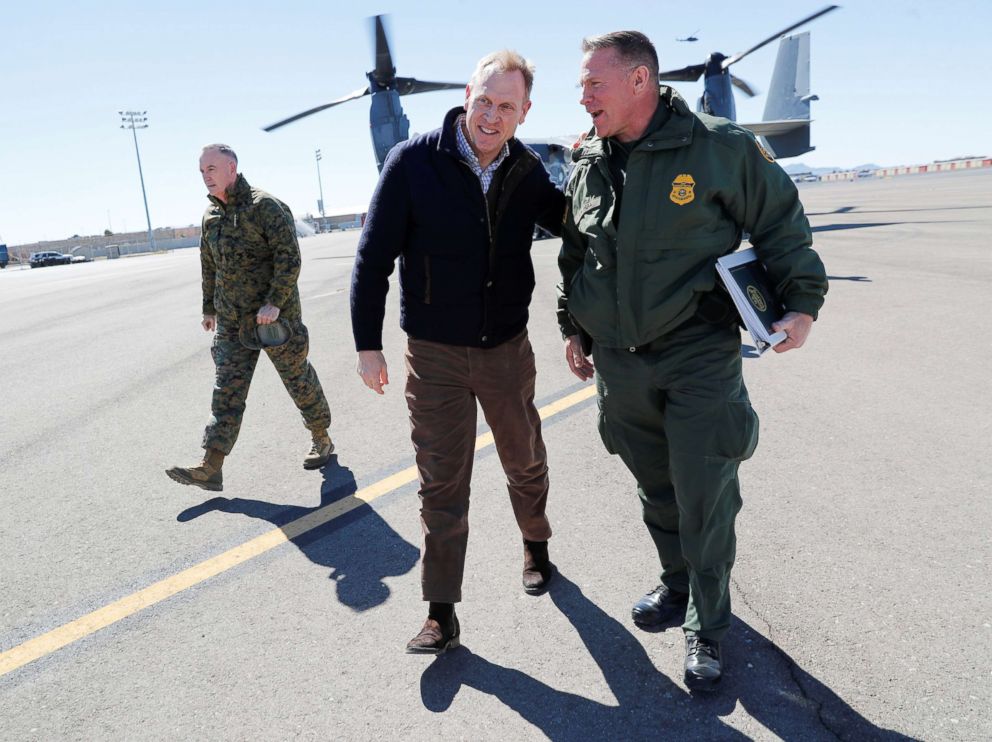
(770, 687)
(358, 573)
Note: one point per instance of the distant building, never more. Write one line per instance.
(337, 221)
(95, 246)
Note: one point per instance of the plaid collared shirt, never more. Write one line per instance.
(465, 149)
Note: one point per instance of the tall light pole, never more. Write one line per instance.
(135, 120)
(320, 184)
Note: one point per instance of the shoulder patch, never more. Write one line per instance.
(764, 152)
(682, 189)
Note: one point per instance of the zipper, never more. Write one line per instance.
(490, 252)
(492, 259)
(427, 279)
(602, 165)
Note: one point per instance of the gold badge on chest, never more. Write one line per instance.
(682, 189)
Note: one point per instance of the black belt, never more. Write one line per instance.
(653, 347)
(715, 308)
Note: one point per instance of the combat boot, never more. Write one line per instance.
(206, 476)
(702, 663)
(320, 450)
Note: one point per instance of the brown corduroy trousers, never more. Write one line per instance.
(443, 383)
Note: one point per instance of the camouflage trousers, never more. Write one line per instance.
(235, 366)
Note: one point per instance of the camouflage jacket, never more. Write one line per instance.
(249, 255)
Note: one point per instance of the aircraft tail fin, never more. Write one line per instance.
(789, 97)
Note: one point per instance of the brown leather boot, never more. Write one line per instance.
(206, 476)
(320, 451)
(435, 638)
(538, 569)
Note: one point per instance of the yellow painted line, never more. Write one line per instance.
(101, 618)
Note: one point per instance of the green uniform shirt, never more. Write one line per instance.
(249, 255)
(691, 187)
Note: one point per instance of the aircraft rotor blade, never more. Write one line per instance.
(410, 85)
(686, 74)
(384, 72)
(743, 86)
(351, 96)
(740, 55)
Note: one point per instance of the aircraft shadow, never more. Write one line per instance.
(860, 225)
(789, 702)
(864, 225)
(839, 210)
(364, 549)
(849, 209)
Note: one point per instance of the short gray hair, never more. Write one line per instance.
(223, 149)
(505, 60)
(633, 47)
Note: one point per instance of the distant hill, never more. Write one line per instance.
(799, 167)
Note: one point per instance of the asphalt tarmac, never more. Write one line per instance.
(135, 608)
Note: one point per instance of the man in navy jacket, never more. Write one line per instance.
(458, 207)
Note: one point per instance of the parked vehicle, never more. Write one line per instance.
(4, 257)
(49, 257)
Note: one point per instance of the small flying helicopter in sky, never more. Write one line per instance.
(691, 37)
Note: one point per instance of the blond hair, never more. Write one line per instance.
(505, 60)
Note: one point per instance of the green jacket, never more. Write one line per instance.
(692, 187)
(249, 255)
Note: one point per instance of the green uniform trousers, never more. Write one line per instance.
(235, 366)
(678, 414)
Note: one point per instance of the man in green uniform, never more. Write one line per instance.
(250, 262)
(657, 195)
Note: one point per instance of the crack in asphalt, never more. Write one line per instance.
(789, 662)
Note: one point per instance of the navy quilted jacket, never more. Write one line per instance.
(465, 278)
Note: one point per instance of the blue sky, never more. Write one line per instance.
(899, 83)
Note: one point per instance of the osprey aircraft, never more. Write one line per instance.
(389, 125)
(784, 130)
(784, 127)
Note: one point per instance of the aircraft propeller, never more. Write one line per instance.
(381, 78)
(718, 63)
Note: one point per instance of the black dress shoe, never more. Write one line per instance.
(658, 606)
(538, 569)
(434, 638)
(702, 663)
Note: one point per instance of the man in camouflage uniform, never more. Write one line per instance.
(250, 263)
